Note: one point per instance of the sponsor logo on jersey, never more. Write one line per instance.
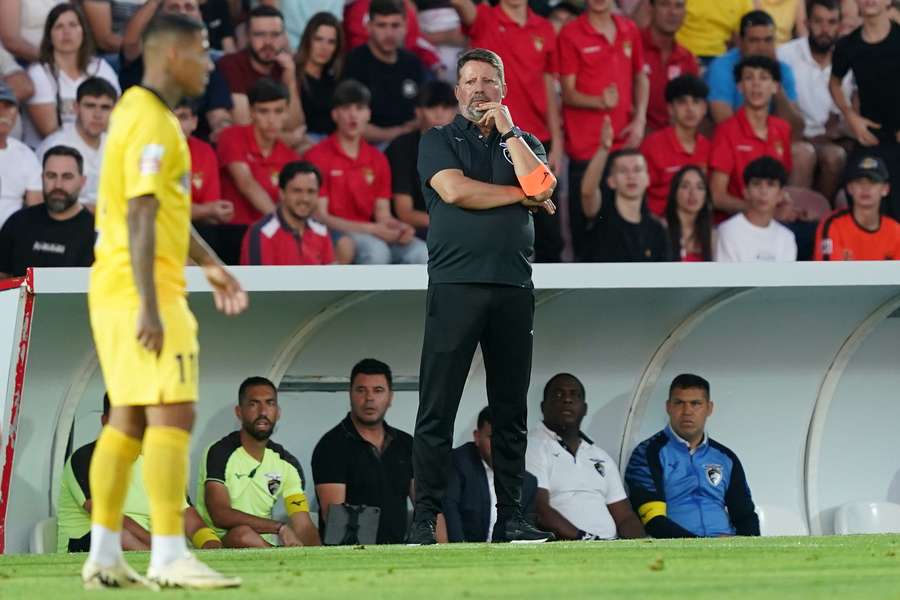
(151, 159)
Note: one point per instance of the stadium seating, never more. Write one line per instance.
(43, 537)
(775, 520)
(867, 517)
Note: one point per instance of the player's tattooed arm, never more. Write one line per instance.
(142, 246)
(229, 296)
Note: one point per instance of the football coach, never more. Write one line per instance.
(481, 177)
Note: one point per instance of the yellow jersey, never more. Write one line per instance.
(709, 25)
(145, 155)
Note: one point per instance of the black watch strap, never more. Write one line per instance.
(514, 132)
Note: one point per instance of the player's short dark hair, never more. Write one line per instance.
(351, 92)
(192, 104)
(553, 379)
(263, 11)
(166, 23)
(372, 366)
(481, 55)
(386, 8)
(253, 382)
(61, 150)
(96, 87)
(267, 90)
(437, 93)
(298, 167)
(105, 404)
(686, 86)
(484, 416)
(755, 18)
(757, 61)
(621, 154)
(689, 381)
(826, 4)
(766, 168)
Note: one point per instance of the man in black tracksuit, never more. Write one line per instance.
(480, 291)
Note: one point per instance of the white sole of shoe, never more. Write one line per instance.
(208, 584)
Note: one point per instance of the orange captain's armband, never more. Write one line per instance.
(538, 181)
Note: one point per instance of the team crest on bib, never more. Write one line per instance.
(779, 149)
(626, 48)
(369, 175)
(714, 474)
(599, 466)
(197, 180)
(275, 178)
(273, 482)
(506, 153)
(538, 43)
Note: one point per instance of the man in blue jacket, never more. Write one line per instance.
(684, 484)
(470, 501)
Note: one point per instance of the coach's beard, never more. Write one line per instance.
(473, 113)
(258, 434)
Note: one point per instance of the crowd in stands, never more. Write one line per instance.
(680, 130)
(678, 483)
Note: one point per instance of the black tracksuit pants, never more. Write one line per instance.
(458, 318)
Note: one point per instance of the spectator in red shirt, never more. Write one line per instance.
(267, 55)
(289, 236)
(526, 43)
(252, 156)
(602, 71)
(356, 199)
(747, 135)
(679, 144)
(207, 205)
(689, 216)
(666, 58)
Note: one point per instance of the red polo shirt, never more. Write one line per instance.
(735, 145)
(271, 241)
(239, 73)
(680, 62)
(586, 53)
(528, 53)
(237, 144)
(204, 172)
(665, 157)
(351, 184)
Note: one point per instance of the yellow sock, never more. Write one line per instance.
(165, 477)
(110, 475)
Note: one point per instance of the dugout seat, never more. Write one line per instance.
(776, 520)
(43, 537)
(867, 517)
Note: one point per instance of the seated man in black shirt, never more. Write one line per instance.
(437, 107)
(56, 233)
(623, 229)
(393, 74)
(363, 460)
(470, 501)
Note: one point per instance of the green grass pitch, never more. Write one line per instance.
(851, 567)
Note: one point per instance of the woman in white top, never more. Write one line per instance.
(21, 26)
(66, 59)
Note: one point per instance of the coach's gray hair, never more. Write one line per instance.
(481, 55)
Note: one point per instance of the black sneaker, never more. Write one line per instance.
(518, 530)
(421, 533)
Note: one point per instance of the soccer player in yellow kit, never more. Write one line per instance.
(144, 332)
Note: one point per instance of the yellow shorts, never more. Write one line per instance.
(135, 376)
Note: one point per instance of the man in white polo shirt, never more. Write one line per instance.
(580, 494)
(810, 59)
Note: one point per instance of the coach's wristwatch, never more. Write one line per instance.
(514, 132)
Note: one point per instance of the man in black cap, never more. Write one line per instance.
(481, 177)
(861, 232)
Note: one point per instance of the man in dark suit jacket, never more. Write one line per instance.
(469, 502)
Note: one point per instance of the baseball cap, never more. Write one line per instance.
(868, 167)
(7, 95)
